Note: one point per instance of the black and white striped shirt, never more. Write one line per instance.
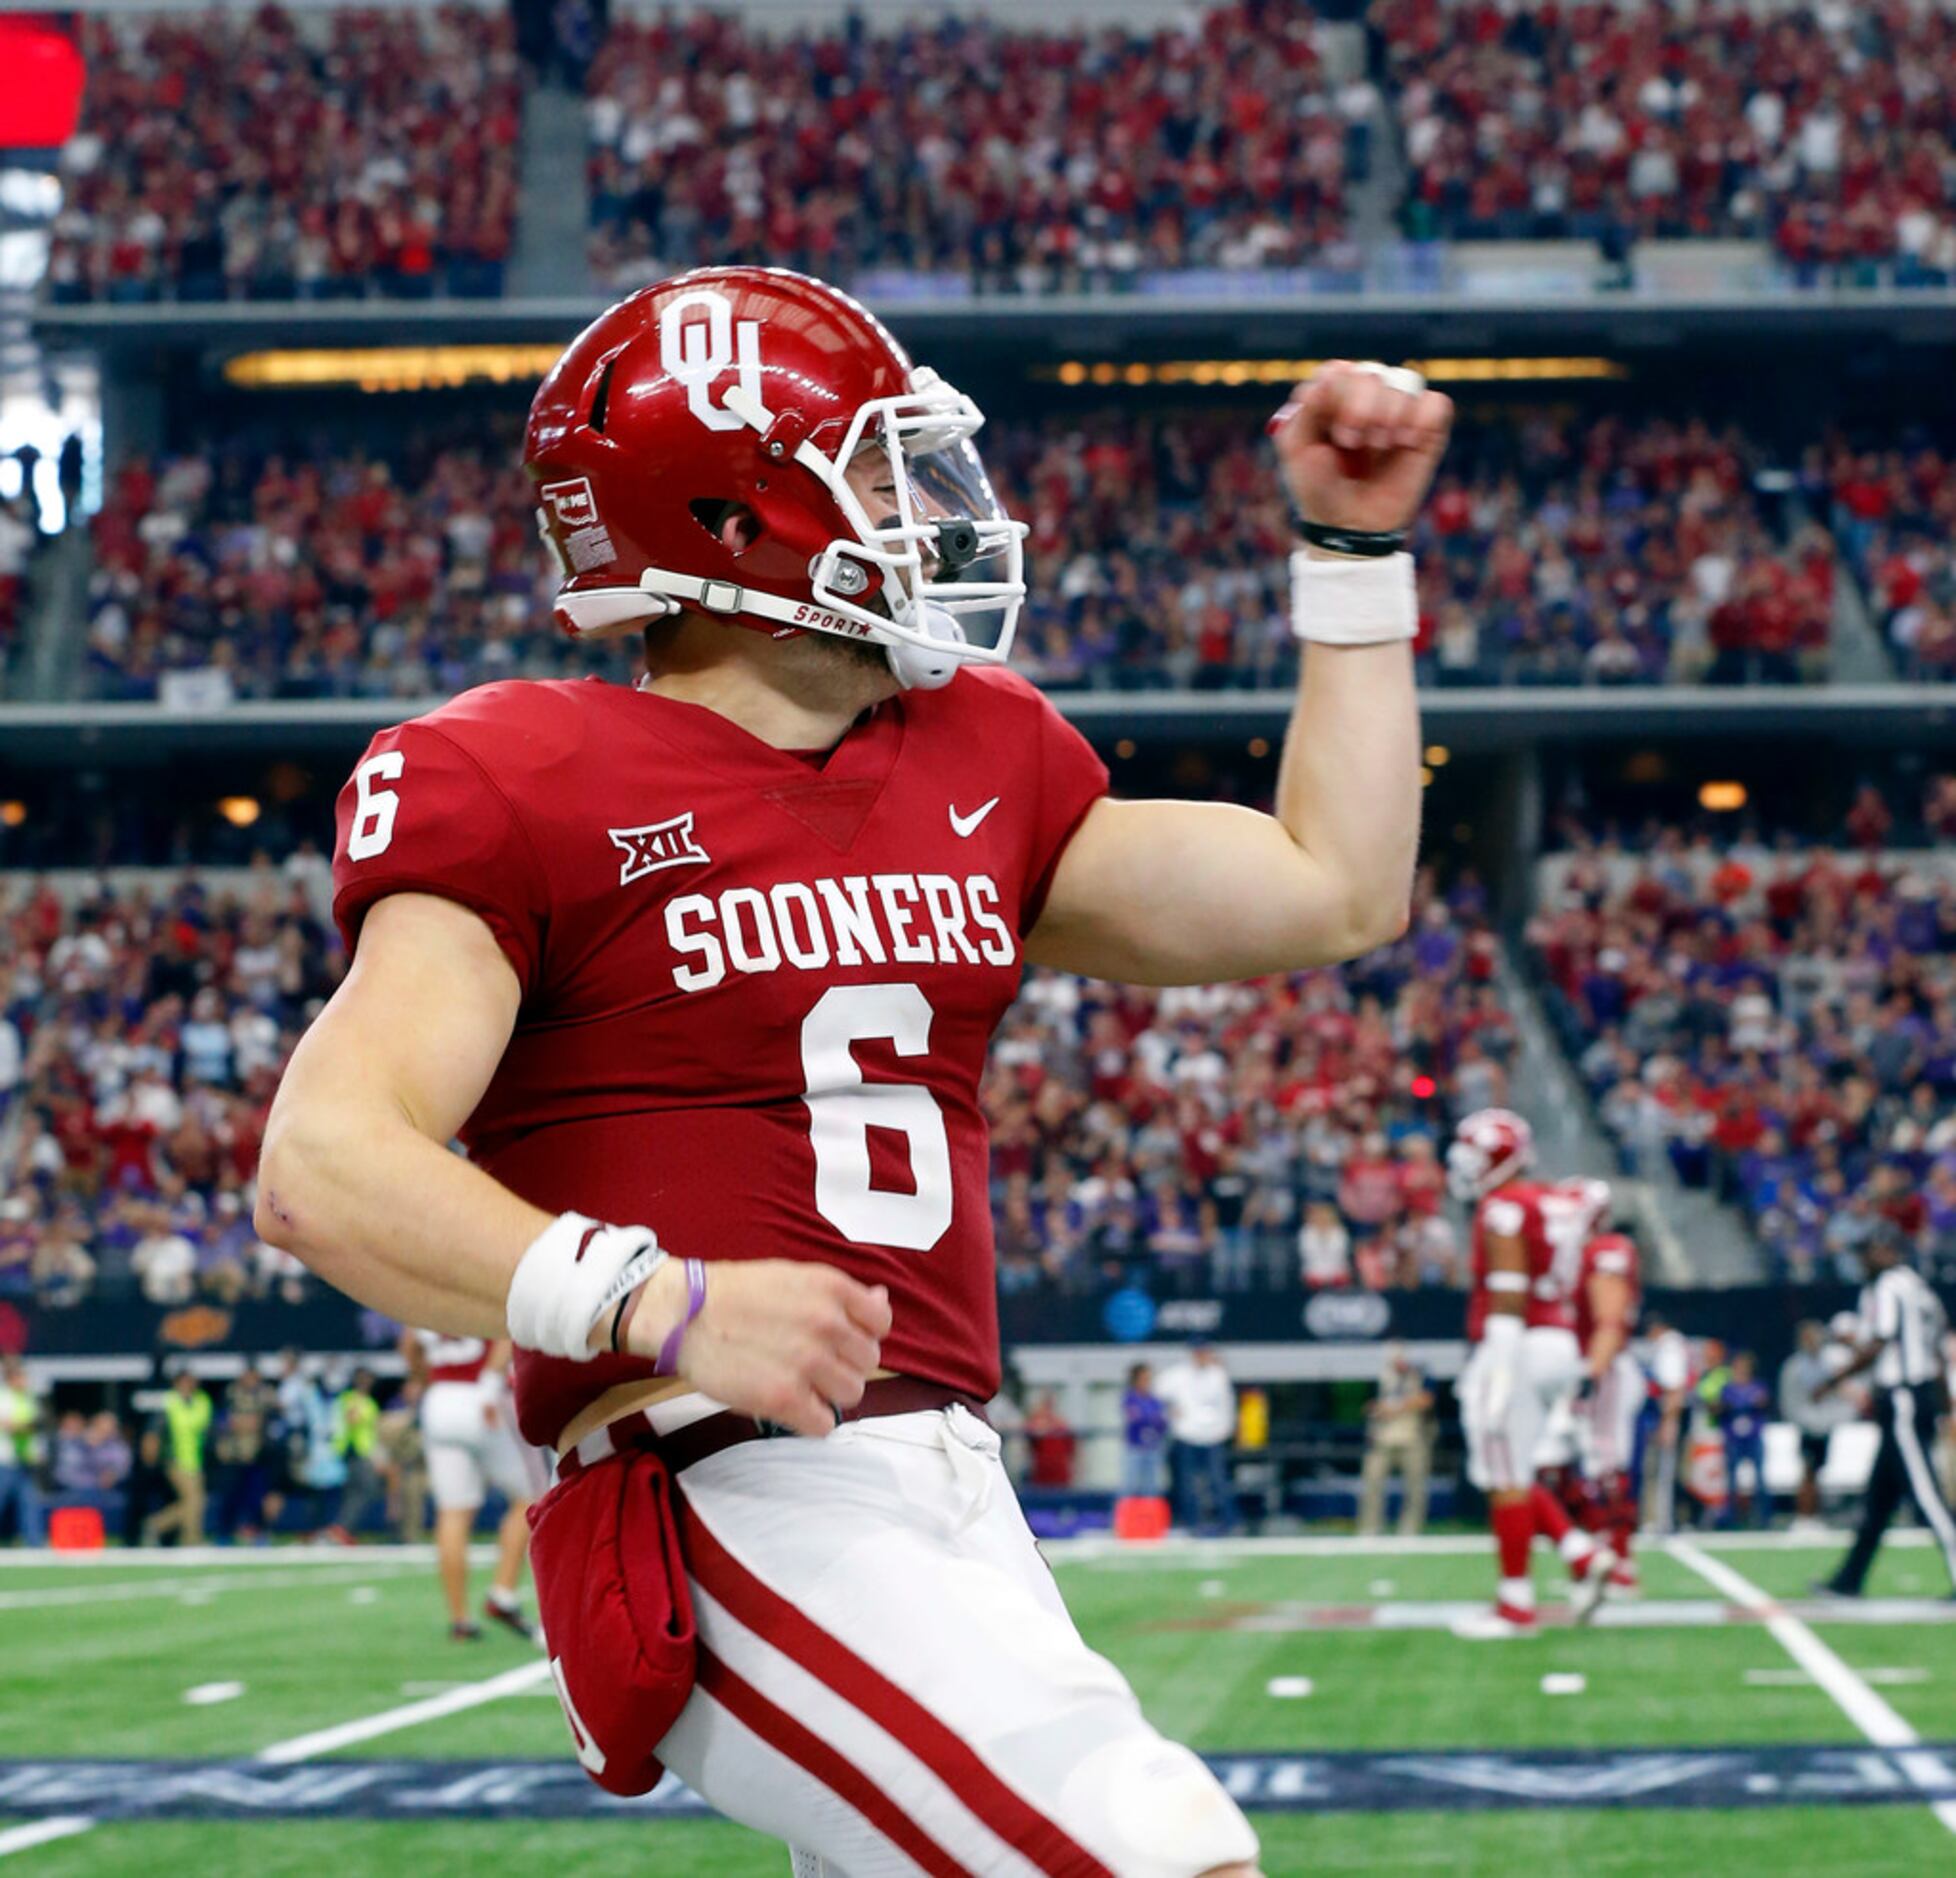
(1900, 1311)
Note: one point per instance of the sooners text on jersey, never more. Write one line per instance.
(757, 988)
(1549, 1224)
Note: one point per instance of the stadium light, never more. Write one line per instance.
(1438, 756)
(12, 814)
(1721, 798)
(1288, 371)
(239, 811)
(391, 368)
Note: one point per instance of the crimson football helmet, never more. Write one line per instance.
(1490, 1148)
(759, 387)
(1592, 1201)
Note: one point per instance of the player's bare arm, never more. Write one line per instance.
(1183, 892)
(1609, 1304)
(357, 1180)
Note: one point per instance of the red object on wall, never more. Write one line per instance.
(41, 100)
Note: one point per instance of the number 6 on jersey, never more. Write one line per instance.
(843, 1108)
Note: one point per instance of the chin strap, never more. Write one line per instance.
(660, 595)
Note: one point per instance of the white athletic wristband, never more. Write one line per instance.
(1351, 602)
(575, 1270)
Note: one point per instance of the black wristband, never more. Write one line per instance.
(1368, 544)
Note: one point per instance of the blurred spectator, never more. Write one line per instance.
(1398, 1439)
(1812, 1363)
(20, 1454)
(402, 1463)
(186, 1421)
(246, 1501)
(1011, 161)
(312, 154)
(1050, 1441)
(1144, 1437)
(356, 1434)
(149, 1486)
(1201, 1405)
(1743, 1405)
(1324, 1247)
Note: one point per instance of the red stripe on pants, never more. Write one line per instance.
(748, 1706)
(955, 1762)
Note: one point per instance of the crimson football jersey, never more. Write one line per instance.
(1547, 1221)
(1614, 1253)
(757, 987)
(453, 1359)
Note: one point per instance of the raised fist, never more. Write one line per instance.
(1357, 450)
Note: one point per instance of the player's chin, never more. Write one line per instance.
(857, 669)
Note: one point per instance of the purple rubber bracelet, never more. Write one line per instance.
(695, 1302)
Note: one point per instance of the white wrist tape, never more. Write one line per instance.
(1351, 602)
(575, 1271)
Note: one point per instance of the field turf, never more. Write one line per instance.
(127, 1659)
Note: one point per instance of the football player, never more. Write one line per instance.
(468, 1434)
(1524, 1359)
(1614, 1385)
(703, 973)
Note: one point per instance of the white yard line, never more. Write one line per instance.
(408, 1715)
(304, 1553)
(1179, 1552)
(42, 1832)
(54, 1597)
(1850, 1692)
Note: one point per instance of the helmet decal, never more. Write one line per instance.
(699, 339)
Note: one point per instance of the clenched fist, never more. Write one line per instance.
(778, 1339)
(1356, 451)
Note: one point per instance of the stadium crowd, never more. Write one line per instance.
(1780, 1021)
(1895, 515)
(1824, 129)
(337, 575)
(1013, 160)
(1206, 1138)
(1616, 552)
(1551, 553)
(1230, 1136)
(271, 155)
(142, 1034)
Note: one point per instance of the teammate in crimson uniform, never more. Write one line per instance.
(468, 1434)
(719, 956)
(1525, 1361)
(1609, 1288)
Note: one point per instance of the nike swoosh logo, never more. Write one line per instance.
(964, 824)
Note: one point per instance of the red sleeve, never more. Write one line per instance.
(1072, 778)
(420, 815)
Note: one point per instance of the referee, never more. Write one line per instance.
(1902, 1324)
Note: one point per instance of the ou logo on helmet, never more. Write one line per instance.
(699, 340)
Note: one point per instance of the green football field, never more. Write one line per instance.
(1722, 1722)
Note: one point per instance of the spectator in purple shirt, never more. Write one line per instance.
(1144, 1459)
